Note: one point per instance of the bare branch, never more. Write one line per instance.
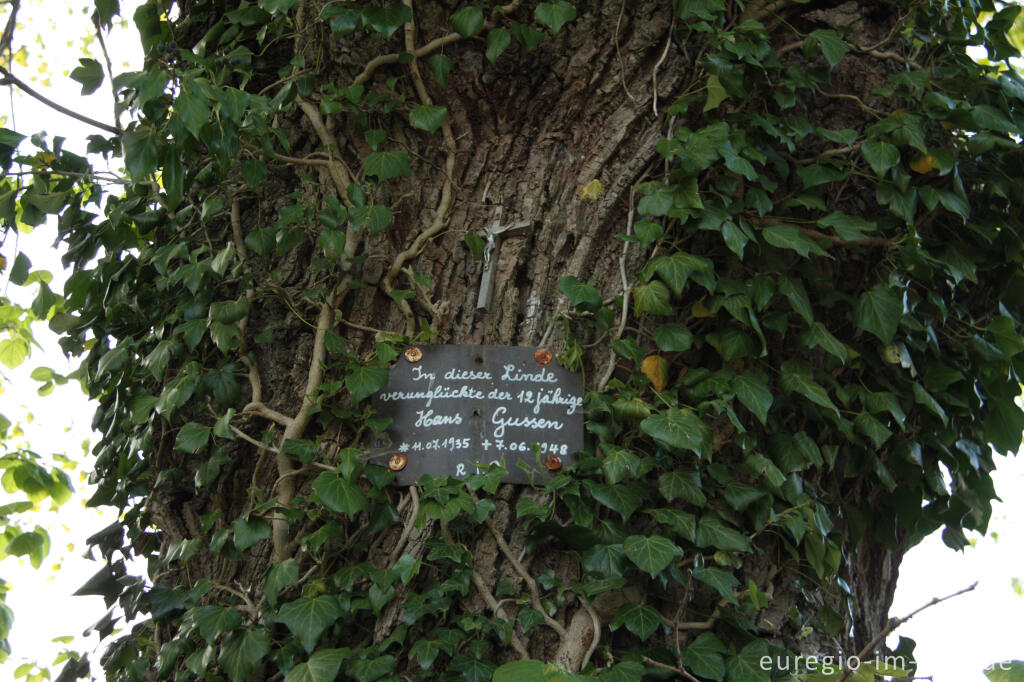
(10, 79)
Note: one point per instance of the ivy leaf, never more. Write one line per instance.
(582, 296)
(498, 40)
(440, 66)
(468, 21)
(242, 652)
(1008, 671)
(720, 580)
(89, 73)
(683, 523)
(678, 485)
(339, 495)
(280, 576)
(652, 298)
(617, 463)
(554, 15)
(679, 429)
(711, 532)
(387, 19)
(372, 669)
(673, 336)
(789, 237)
(746, 665)
(704, 657)
(623, 499)
(676, 268)
(249, 532)
(640, 619)
(878, 311)
(140, 151)
(832, 46)
(519, 671)
(754, 393)
(322, 666)
(880, 155)
(655, 368)
(192, 437)
(651, 554)
(387, 165)
(794, 291)
(363, 381)
(796, 378)
(428, 117)
(308, 617)
(214, 621)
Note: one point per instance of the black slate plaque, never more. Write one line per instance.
(456, 409)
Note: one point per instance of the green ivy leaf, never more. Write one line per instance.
(440, 66)
(711, 532)
(679, 485)
(249, 532)
(1007, 671)
(651, 554)
(832, 46)
(880, 155)
(387, 19)
(387, 165)
(89, 73)
(498, 40)
(364, 380)
(720, 580)
(754, 393)
(428, 117)
(640, 619)
(623, 499)
(554, 15)
(322, 666)
(279, 577)
(878, 311)
(308, 617)
(339, 495)
(746, 665)
(192, 437)
(468, 21)
(140, 151)
(790, 237)
(704, 657)
(582, 296)
(372, 669)
(520, 671)
(679, 429)
(241, 652)
(214, 621)
(673, 336)
(796, 378)
(652, 298)
(676, 268)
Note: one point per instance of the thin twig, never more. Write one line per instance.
(625, 293)
(10, 79)
(896, 622)
(665, 666)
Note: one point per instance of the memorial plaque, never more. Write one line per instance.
(457, 409)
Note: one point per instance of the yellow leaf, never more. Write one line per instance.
(701, 310)
(21, 56)
(923, 163)
(3, 263)
(592, 190)
(655, 368)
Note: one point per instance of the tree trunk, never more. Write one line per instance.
(811, 561)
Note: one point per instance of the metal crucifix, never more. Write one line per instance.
(493, 234)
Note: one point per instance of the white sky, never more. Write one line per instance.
(955, 640)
